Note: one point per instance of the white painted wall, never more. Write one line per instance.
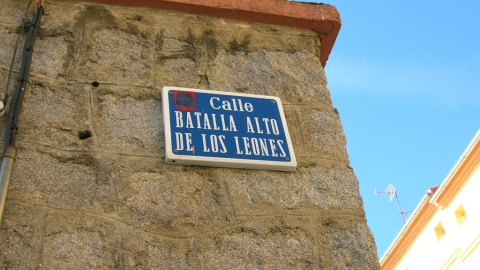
(459, 248)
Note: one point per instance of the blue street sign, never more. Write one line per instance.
(221, 129)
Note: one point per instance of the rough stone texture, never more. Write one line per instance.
(271, 73)
(91, 189)
(21, 237)
(128, 117)
(79, 242)
(252, 247)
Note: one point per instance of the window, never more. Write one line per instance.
(460, 214)
(439, 231)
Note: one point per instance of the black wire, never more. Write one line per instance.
(16, 104)
(25, 21)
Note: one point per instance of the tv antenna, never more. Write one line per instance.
(392, 192)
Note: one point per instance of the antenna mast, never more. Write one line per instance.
(392, 192)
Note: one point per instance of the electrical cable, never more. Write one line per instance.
(16, 103)
(25, 22)
(10, 152)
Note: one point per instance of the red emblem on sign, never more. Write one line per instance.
(185, 101)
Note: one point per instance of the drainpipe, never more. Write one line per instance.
(9, 156)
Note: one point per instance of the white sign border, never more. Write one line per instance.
(172, 158)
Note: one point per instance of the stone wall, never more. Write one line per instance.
(91, 189)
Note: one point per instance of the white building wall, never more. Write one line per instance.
(459, 248)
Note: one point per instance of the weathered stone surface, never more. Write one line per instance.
(76, 241)
(178, 203)
(351, 248)
(100, 64)
(179, 72)
(12, 12)
(280, 243)
(293, 125)
(7, 45)
(144, 251)
(47, 61)
(296, 77)
(229, 35)
(268, 193)
(55, 115)
(336, 232)
(322, 133)
(19, 237)
(62, 179)
(91, 189)
(129, 121)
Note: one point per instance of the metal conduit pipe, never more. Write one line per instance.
(9, 157)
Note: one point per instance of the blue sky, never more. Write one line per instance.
(405, 77)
